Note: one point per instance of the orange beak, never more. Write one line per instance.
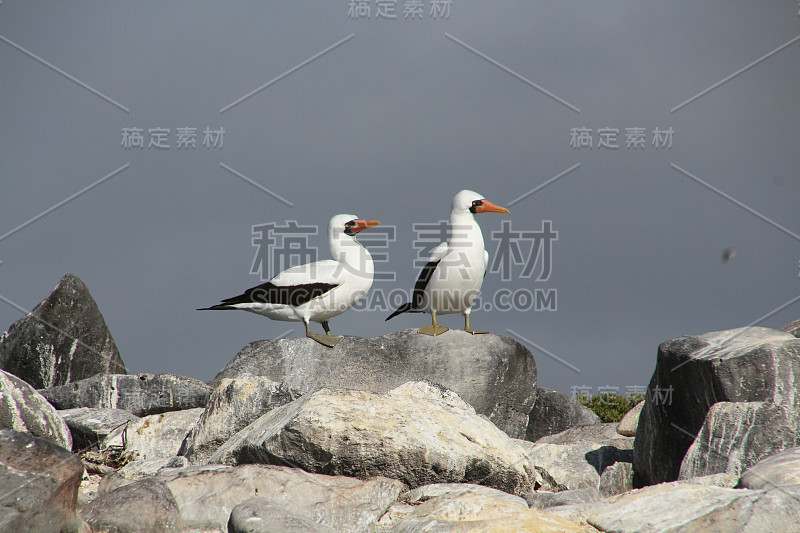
(361, 225)
(488, 207)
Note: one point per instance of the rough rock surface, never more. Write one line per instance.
(143, 467)
(233, 405)
(578, 512)
(155, 436)
(141, 394)
(89, 426)
(553, 412)
(259, 515)
(417, 433)
(693, 508)
(63, 339)
(544, 499)
(434, 490)
(206, 495)
(577, 457)
(752, 368)
(39, 483)
(627, 426)
(496, 375)
(779, 470)
(792, 328)
(145, 505)
(24, 409)
(616, 479)
(735, 436)
(605, 433)
(475, 512)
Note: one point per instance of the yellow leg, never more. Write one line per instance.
(326, 340)
(469, 329)
(433, 330)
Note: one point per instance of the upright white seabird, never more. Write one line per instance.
(316, 291)
(452, 279)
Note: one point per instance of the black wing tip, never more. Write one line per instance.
(218, 307)
(405, 308)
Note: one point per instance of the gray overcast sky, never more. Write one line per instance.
(389, 125)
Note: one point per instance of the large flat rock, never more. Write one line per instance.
(694, 508)
(208, 496)
(141, 394)
(474, 512)
(494, 374)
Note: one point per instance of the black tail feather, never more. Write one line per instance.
(217, 308)
(405, 308)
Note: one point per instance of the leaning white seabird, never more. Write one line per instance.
(319, 291)
(452, 279)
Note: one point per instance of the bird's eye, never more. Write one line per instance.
(475, 205)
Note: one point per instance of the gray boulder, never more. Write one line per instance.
(553, 412)
(24, 409)
(233, 405)
(494, 374)
(416, 433)
(207, 495)
(779, 470)
(63, 339)
(154, 436)
(145, 505)
(751, 371)
(578, 457)
(141, 394)
(39, 483)
(693, 508)
(89, 426)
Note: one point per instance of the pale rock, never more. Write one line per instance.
(422, 438)
(233, 405)
(154, 436)
(474, 512)
(207, 495)
(627, 426)
(693, 508)
(24, 409)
